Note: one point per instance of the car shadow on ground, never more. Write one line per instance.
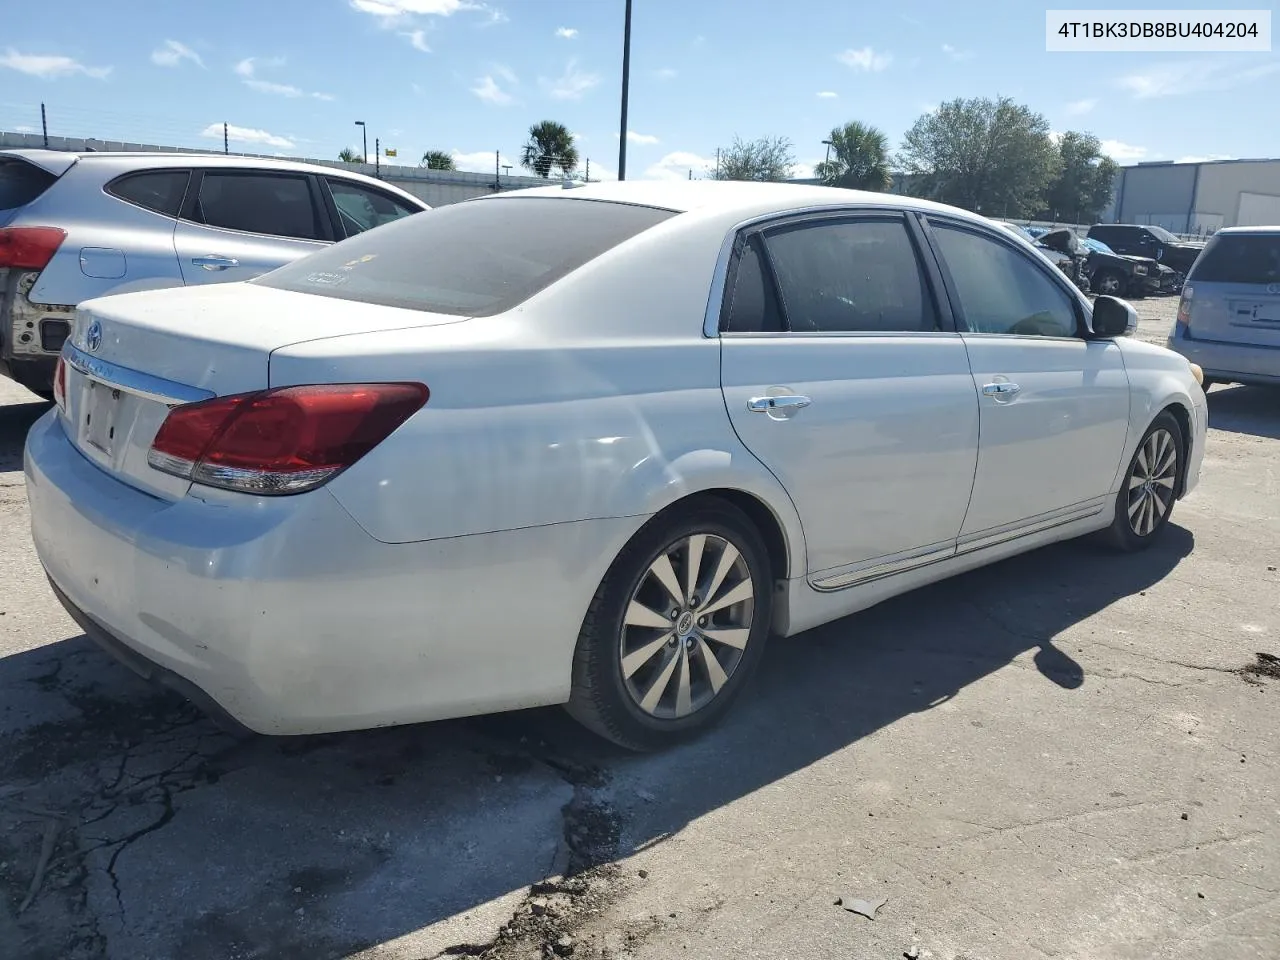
(1251, 410)
(180, 841)
(15, 420)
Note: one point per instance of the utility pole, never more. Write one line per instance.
(717, 163)
(226, 143)
(588, 169)
(497, 168)
(44, 126)
(377, 158)
(626, 83)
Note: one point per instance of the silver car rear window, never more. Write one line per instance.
(471, 259)
(1239, 258)
(21, 182)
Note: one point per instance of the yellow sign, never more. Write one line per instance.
(391, 151)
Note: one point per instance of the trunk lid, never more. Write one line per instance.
(131, 357)
(1235, 290)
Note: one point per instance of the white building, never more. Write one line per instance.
(1198, 197)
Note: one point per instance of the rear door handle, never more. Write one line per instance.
(783, 404)
(213, 262)
(1002, 390)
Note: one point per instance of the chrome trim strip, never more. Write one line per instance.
(1047, 521)
(883, 568)
(131, 381)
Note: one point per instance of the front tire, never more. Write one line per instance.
(1150, 487)
(676, 628)
(1108, 283)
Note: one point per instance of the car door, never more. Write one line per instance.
(240, 223)
(844, 378)
(359, 207)
(1054, 406)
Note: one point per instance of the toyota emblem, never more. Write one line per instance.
(1273, 288)
(93, 337)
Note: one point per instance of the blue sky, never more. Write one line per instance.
(470, 77)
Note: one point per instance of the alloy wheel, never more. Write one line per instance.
(1151, 482)
(686, 626)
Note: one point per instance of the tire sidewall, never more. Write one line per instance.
(1121, 528)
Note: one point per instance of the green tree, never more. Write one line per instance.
(1082, 189)
(768, 158)
(550, 146)
(350, 156)
(860, 158)
(437, 160)
(991, 156)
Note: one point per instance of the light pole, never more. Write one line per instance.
(364, 141)
(626, 82)
(830, 144)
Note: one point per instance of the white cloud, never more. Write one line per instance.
(487, 89)
(803, 171)
(481, 161)
(566, 33)
(418, 39)
(1194, 76)
(266, 86)
(49, 66)
(570, 85)
(666, 73)
(247, 70)
(865, 59)
(24, 128)
(1209, 158)
(506, 73)
(676, 166)
(1122, 152)
(1078, 108)
(327, 97)
(956, 54)
(827, 94)
(246, 135)
(640, 138)
(391, 9)
(173, 53)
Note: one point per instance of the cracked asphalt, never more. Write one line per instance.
(1063, 755)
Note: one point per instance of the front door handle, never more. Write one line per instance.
(782, 406)
(1001, 391)
(214, 262)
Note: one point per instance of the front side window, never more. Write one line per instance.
(362, 209)
(160, 191)
(845, 276)
(1002, 291)
(271, 204)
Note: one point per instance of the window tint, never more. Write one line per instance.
(858, 275)
(1239, 258)
(1001, 290)
(21, 182)
(158, 190)
(362, 209)
(475, 258)
(753, 307)
(258, 203)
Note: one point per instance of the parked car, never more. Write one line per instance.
(1071, 264)
(79, 225)
(1229, 315)
(1148, 241)
(592, 450)
(1158, 279)
(1109, 273)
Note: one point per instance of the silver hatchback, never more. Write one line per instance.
(80, 225)
(1229, 316)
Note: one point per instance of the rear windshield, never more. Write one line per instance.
(21, 182)
(1239, 258)
(471, 259)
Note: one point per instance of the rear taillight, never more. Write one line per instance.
(281, 441)
(1183, 323)
(60, 384)
(29, 248)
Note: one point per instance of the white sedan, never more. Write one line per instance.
(585, 446)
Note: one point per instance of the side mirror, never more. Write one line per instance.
(1113, 317)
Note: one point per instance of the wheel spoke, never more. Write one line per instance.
(735, 637)
(1158, 506)
(665, 574)
(1136, 480)
(728, 557)
(638, 658)
(659, 685)
(693, 565)
(1140, 468)
(1136, 505)
(715, 673)
(638, 615)
(737, 594)
(1166, 482)
(684, 685)
(1148, 516)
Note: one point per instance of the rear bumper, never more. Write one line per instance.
(1230, 362)
(285, 615)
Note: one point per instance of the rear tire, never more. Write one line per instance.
(661, 656)
(1150, 486)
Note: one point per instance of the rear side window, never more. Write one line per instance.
(850, 276)
(160, 191)
(21, 182)
(361, 209)
(269, 204)
(753, 307)
(476, 258)
(1239, 258)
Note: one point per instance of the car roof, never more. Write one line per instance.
(1259, 231)
(728, 197)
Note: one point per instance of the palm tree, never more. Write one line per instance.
(860, 158)
(350, 156)
(550, 146)
(437, 160)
